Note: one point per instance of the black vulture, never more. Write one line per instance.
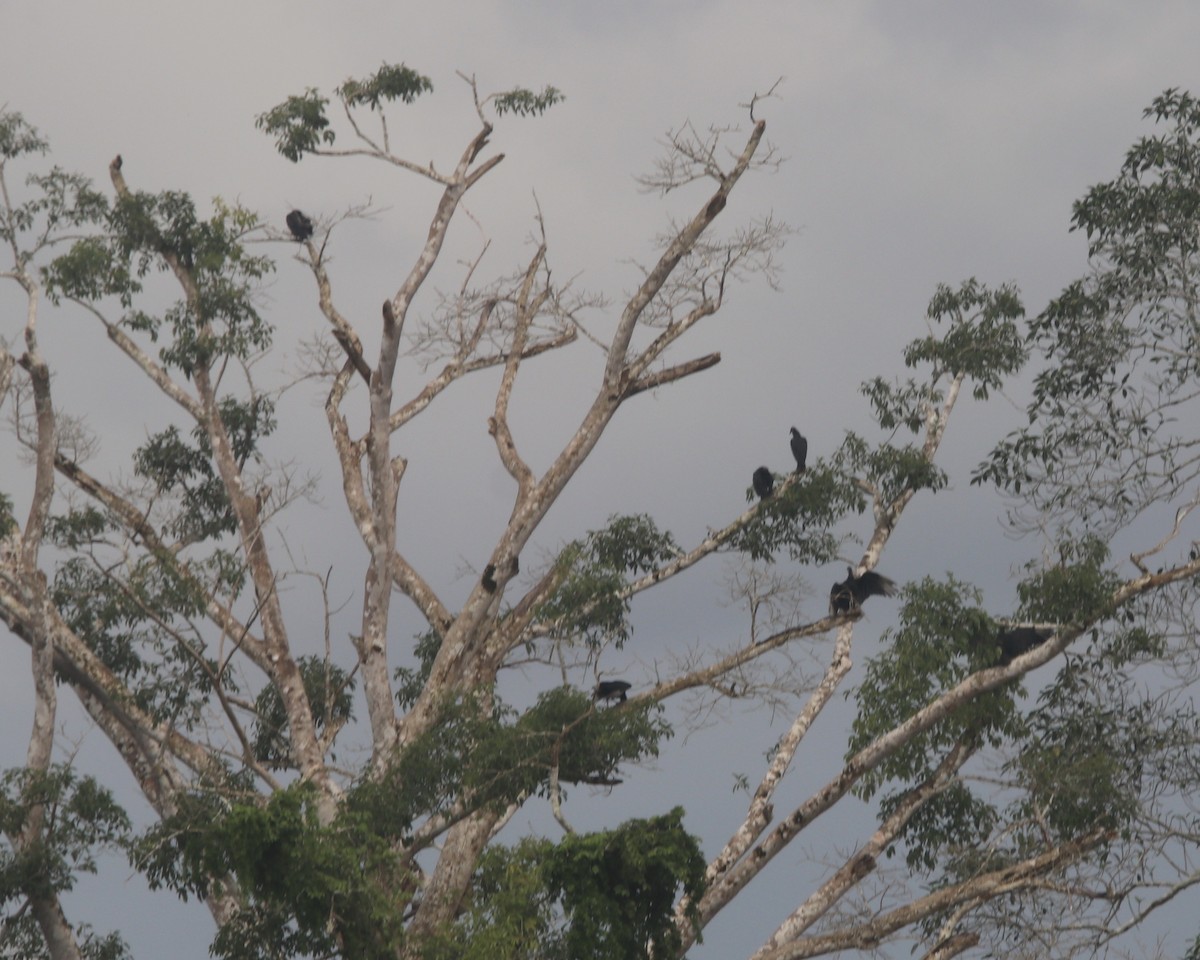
(799, 449)
(611, 690)
(300, 225)
(1019, 640)
(853, 591)
(764, 483)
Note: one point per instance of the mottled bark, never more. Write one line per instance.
(863, 861)
(987, 886)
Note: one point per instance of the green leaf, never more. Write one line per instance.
(588, 604)
(299, 125)
(18, 138)
(389, 82)
(330, 693)
(526, 103)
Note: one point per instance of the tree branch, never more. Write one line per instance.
(671, 374)
(981, 888)
(283, 668)
(864, 861)
(679, 246)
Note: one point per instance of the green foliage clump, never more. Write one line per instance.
(901, 404)
(81, 818)
(892, 470)
(66, 200)
(77, 528)
(800, 517)
(563, 726)
(217, 319)
(410, 681)
(307, 888)
(299, 125)
(1096, 743)
(186, 470)
(1080, 771)
(136, 621)
(1107, 433)
(330, 693)
(949, 824)
(1079, 589)
(389, 82)
(599, 896)
(173, 854)
(593, 572)
(511, 913)
(982, 343)
(1086, 755)
(89, 271)
(224, 570)
(471, 759)
(526, 103)
(104, 616)
(942, 638)
(61, 200)
(1149, 213)
(618, 887)
(18, 137)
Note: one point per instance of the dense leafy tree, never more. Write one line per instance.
(351, 802)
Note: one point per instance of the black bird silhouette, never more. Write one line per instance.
(300, 225)
(851, 592)
(489, 574)
(764, 483)
(611, 690)
(799, 449)
(1019, 640)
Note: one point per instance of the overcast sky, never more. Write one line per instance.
(924, 143)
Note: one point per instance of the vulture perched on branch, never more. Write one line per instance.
(1019, 640)
(611, 690)
(799, 449)
(300, 225)
(764, 483)
(853, 591)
